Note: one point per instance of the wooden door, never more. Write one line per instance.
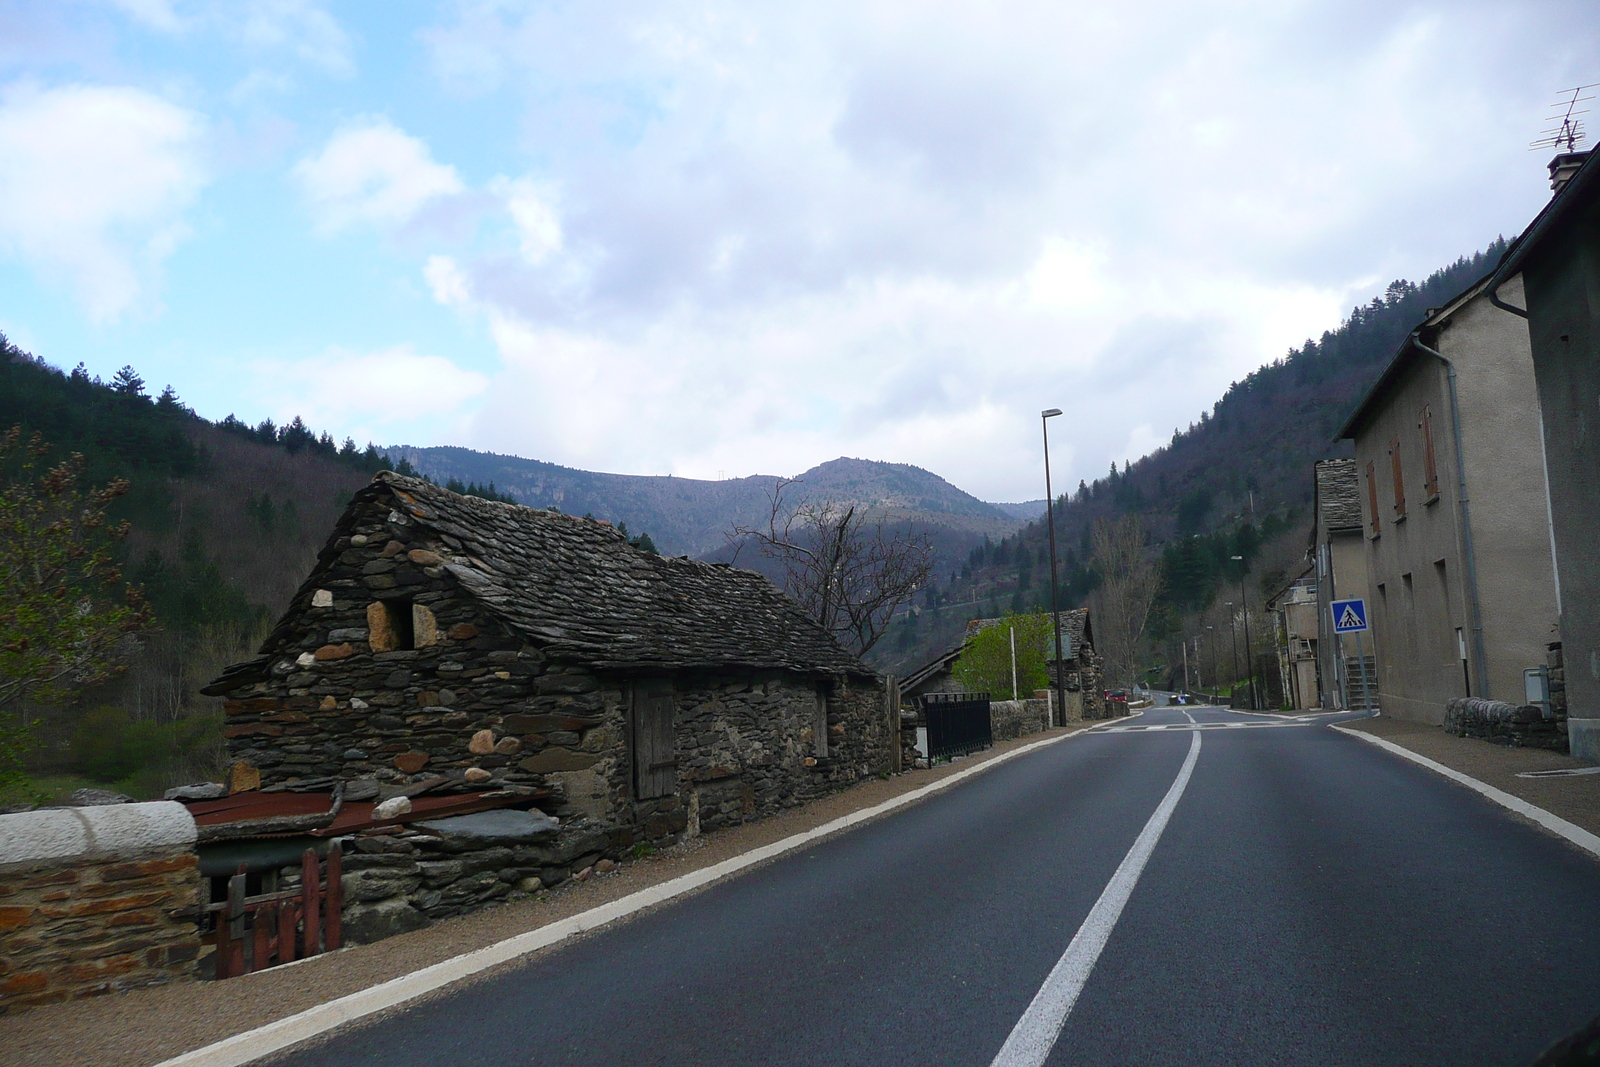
(655, 763)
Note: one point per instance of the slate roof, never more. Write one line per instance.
(578, 589)
(1338, 495)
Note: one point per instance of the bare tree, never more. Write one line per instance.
(1129, 582)
(848, 574)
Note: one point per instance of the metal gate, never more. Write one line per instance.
(958, 723)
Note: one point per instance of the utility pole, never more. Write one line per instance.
(1211, 646)
(1233, 632)
(1249, 657)
(1013, 630)
(1055, 606)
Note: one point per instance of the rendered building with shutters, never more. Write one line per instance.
(1461, 592)
(445, 643)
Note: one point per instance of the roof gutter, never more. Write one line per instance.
(1511, 263)
(1475, 609)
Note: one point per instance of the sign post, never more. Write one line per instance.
(1350, 617)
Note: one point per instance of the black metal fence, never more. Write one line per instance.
(958, 723)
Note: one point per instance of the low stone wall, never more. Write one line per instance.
(1011, 719)
(403, 878)
(87, 897)
(1502, 723)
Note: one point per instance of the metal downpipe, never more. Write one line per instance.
(1475, 607)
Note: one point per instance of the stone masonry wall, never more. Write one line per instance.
(748, 748)
(1011, 719)
(470, 703)
(87, 898)
(1505, 724)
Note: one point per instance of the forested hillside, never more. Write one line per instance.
(226, 520)
(1237, 481)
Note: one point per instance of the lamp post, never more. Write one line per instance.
(1055, 607)
(1211, 646)
(1249, 660)
(1233, 632)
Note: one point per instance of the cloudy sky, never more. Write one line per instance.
(706, 238)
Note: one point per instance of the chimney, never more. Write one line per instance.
(1563, 167)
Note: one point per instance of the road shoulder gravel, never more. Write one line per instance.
(147, 1026)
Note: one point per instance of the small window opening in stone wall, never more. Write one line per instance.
(392, 625)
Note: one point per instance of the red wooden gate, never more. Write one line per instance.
(255, 932)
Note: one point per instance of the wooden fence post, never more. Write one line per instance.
(230, 947)
(891, 696)
(333, 899)
(310, 876)
(286, 920)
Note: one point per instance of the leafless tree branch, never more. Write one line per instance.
(848, 574)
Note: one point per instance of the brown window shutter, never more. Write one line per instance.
(1430, 462)
(1399, 479)
(1372, 496)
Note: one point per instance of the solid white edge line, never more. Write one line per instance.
(1035, 1034)
(280, 1034)
(1554, 823)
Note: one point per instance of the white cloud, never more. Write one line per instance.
(372, 173)
(447, 282)
(93, 184)
(301, 28)
(157, 14)
(900, 230)
(391, 395)
(298, 26)
(538, 230)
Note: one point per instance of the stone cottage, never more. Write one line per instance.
(473, 644)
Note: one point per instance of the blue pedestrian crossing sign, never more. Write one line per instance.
(1349, 616)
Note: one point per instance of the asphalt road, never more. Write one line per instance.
(1312, 900)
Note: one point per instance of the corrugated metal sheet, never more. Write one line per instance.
(353, 816)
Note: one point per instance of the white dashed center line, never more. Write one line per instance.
(1036, 1032)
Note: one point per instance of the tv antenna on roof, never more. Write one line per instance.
(1570, 133)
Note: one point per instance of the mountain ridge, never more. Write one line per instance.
(692, 516)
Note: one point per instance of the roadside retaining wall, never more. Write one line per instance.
(1011, 719)
(1505, 724)
(86, 901)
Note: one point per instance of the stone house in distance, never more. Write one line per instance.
(479, 645)
(1340, 557)
(1083, 672)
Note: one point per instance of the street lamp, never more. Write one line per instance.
(1055, 607)
(1249, 660)
(1211, 646)
(1233, 632)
